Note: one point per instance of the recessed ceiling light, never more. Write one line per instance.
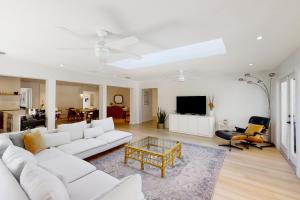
(251, 64)
(259, 37)
(2, 53)
(61, 65)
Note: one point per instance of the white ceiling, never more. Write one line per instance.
(28, 32)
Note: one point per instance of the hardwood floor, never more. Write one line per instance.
(247, 174)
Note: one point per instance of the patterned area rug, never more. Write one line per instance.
(193, 177)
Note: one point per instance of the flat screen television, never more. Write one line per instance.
(191, 105)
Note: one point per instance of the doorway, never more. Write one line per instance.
(288, 123)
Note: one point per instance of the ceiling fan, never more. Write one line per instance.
(103, 49)
(183, 76)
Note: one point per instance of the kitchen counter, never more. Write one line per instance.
(12, 120)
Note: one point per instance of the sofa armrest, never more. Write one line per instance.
(129, 188)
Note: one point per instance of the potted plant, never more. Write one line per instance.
(161, 118)
(211, 105)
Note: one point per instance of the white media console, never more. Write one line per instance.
(192, 124)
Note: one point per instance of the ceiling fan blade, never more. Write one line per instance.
(75, 49)
(132, 55)
(122, 43)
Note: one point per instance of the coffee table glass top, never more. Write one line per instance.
(153, 144)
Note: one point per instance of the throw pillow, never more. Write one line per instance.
(17, 139)
(40, 184)
(254, 128)
(107, 124)
(34, 142)
(75, 129)
(93, 132)
(56, 139)
(15, 159)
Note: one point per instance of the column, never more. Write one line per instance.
(135, 105)
(50, 103)
(102, 101)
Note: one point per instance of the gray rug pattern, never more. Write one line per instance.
(193, 177)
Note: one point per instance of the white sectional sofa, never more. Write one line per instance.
(62, 160)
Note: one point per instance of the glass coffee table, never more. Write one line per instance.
(154, 151)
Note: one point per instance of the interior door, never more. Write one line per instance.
(288, 123)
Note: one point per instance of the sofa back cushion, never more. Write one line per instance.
(56, 139)
(4, 143)
(15, 159)
(93, 132)
(130, 187)
(39, 184)
(17, 139)
(34, 142)
(75, 129)
(106, 124)
(10, 188)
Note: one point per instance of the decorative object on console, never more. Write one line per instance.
(211, 105)
(161, 118)
(118, 99)
(267, 88)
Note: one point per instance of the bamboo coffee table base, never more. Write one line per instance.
(153, 151)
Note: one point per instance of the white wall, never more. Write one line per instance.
(290, 66)
(38, 92)
(9, 85)
(112, 91)
(234, 100)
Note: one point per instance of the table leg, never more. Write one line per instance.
(163, 167)
(142, 162)
(126, 156)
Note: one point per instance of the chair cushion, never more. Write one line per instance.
(254, 128)
(113, 136)
(93, 132)
(92, 186)
(56, 139)
(34, 142)
(107, 124)
(224, 134)
(15, 159)
(81, 145)
(70, 168)
(40, 184)
(75, 129)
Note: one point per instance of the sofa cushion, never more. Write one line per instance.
(93, 132)
(4, 143)
(113, 136)
(15, 159)
(9, 186)
(17, 139)
(95, 184)
(48, 154)
(42, 130)
(56, 139)
(69, 167)
(81, 145)
(107, 124)
(75, 129)
(129, 188)
(39, 184)
(34, 142)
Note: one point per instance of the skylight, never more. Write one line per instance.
(199, 50)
